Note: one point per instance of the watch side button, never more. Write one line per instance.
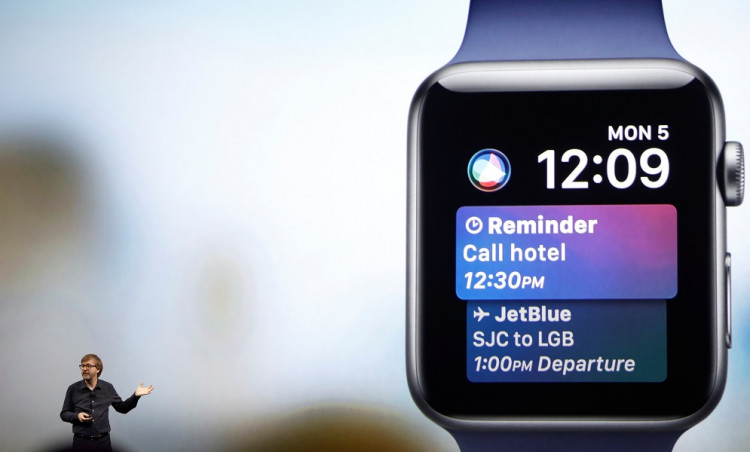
(728, 272)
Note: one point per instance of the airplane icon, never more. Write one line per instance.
(480, 313)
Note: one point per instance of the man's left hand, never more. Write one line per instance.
(142, 391)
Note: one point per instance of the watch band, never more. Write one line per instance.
(578, 441)
(507, 30)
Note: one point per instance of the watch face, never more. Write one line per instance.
(564, 247)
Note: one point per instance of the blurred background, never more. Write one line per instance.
(211, 197)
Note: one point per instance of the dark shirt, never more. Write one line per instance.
(79, 398)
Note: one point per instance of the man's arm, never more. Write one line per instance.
(123, 406)
(68, 414)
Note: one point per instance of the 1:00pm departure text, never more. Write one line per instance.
(562, 366)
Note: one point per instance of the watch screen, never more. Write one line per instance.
(565, 244)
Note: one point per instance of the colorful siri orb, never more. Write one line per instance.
(489, 170)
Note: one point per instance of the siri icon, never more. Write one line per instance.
(489, 170)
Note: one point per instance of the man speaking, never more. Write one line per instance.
(87, 403)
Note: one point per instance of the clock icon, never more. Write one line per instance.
(474, 225)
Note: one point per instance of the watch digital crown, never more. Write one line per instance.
(733, 174)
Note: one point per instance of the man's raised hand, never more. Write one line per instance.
(142, 391)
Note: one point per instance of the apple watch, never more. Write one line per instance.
(568, 278)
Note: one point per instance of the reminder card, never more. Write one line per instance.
(566, 252)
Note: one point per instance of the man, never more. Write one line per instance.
(87, 403)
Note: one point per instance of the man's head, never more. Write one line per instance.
(91, 366)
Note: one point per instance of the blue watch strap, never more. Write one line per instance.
(505, 30)
(546, 441)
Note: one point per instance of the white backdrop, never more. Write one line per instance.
(211, 196)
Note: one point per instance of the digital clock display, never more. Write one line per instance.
(656, 173)
(564, 240)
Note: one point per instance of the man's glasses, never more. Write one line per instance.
(86, 366)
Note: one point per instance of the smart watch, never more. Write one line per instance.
(568, 278)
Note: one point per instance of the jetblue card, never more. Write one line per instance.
(566, 252)
(566, 341)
